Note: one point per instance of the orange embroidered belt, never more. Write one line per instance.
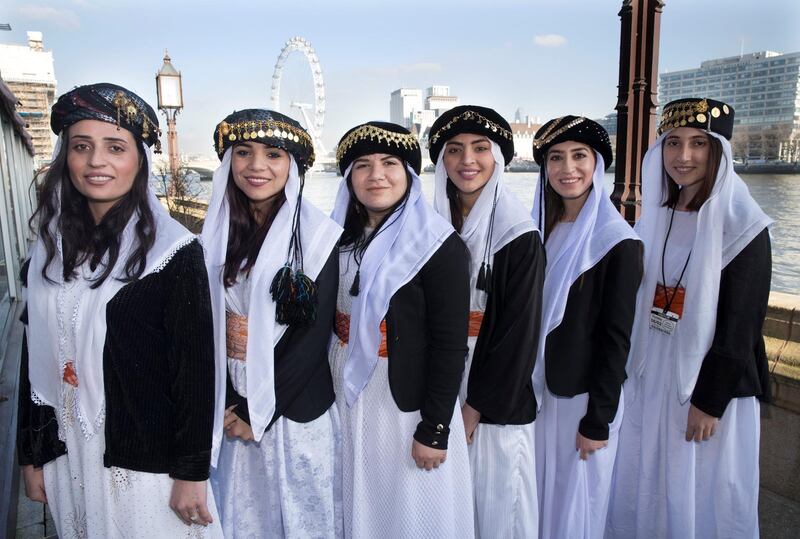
(236, 336)
(342, 329)
(665, 294)
(475, 321)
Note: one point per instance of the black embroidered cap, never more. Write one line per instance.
(471, 119)
(378, 137)
(576, 129)
(107, 103)
(267, 127)
(700, 113)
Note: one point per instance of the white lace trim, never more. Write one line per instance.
(39, 401)
(168, 258)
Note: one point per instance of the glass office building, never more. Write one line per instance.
(764, 90)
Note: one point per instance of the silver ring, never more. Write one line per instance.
(194, 517)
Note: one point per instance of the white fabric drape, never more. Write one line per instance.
(47, 357)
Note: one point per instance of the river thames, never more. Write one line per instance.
(778, 195)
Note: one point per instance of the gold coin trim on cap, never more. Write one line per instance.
(689, 112)
(263, 129)
(548, 135)
(372, 132)
(128, 109)
(472, 116)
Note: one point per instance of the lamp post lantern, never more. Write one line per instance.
(170, 102)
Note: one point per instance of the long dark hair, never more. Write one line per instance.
(245, 234)
(553, 204)
(456, 207)
(356, 219)
(672, 191)
(81, 238)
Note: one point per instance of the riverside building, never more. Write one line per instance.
(764, 90)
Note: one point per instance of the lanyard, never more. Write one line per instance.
(663, 282)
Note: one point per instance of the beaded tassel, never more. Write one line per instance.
(282, 290)
(354, 289)
(305, 302)
(481, 283)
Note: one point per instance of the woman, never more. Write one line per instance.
(697, 366)
(277, 473)
(401, 328)
(593, 272)
(470, 146)
(120, 348)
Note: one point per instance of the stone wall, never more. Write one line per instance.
(780, 421)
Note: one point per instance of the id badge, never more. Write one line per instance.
(665, 322)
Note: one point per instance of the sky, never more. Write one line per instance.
(549, 57)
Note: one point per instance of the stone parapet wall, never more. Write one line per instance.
(782, 339)
(780, 421)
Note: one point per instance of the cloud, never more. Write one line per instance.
(61, 17)
(550, 40)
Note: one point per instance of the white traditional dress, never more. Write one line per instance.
(384, 493)
(66, 336)
(287, 481)
(502, 457)
(288, 484)
(668, 487)
(573, 493)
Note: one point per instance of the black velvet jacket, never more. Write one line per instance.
(303, 382)
(500, 386)
(426, 333)
(736, 365)
(158, 371)
(588, 351)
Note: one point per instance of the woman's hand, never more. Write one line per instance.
(471, 419)
(235, 427)
(34, 483)
(188, 500)
(587, 447)
(700, 426)
(427, 457)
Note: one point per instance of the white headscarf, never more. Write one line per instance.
(598, 228)
(47, 356)
(407, 241)
(726, 223)
(511, 219)
(319, 236)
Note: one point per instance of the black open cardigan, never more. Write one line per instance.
(158, 372)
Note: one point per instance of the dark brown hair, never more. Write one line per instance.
(356, 217)
(81, 238)
(672, 191)
(554, 206)
(456, 207)
(553, 203)
(245, 234)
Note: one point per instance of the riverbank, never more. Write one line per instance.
(519, 165)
